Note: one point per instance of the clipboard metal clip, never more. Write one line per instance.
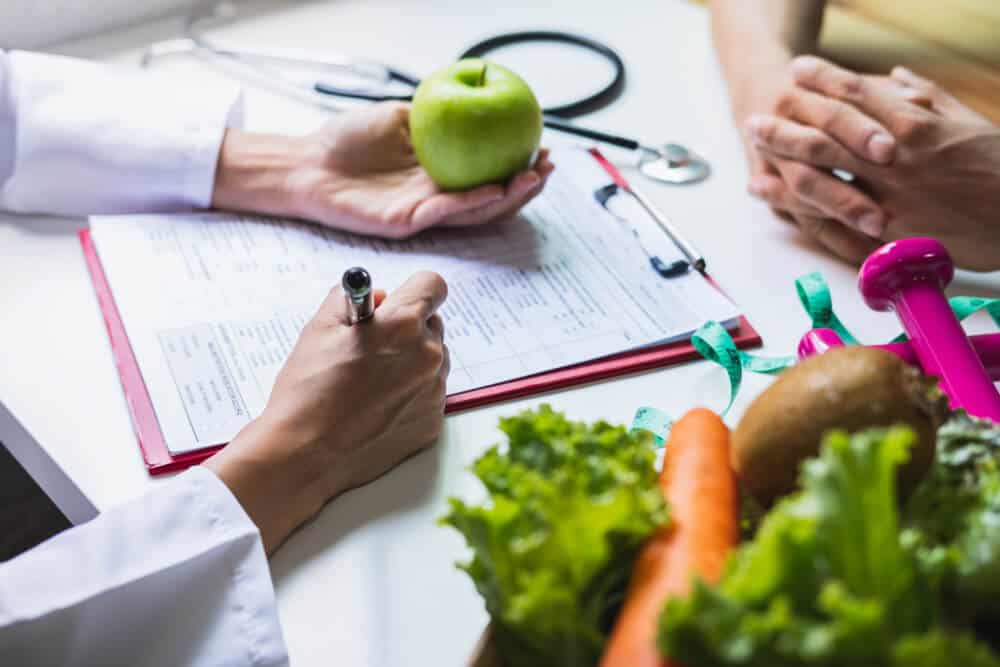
(672, 270)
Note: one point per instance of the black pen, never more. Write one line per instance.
(357, 285)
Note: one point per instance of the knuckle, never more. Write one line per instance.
(433, 280)
(910, 126)
(436, 324)
(766, 131)
(433, 354)
(441, 387)
(852, 206)
(814, 146)
(786, 102)
(773, 194)
(812, 226)
(762, 189)
(925, 87)
(850, 86)
(802, 182)
(833, 119)
(853, 210)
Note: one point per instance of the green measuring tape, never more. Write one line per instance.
(714, 343)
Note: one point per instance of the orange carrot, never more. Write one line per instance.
(700, 487)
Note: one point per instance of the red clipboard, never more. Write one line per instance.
(159, 460)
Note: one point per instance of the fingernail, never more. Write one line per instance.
(529, 179)
(802, 67)
(902, 73)
(871, 224)
(755, 190)
(880, 147)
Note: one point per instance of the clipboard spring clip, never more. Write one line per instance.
(672, 270)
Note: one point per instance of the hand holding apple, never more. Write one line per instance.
(473, 123)
(359, 173)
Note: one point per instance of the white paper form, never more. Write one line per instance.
(213, 303)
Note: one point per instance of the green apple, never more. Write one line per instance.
(474, 122)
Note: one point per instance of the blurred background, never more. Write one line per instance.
(955, 42)
(30, 24)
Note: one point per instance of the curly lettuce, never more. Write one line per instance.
(831, 577)
(957, 508)
(569, 506)
(940, 649)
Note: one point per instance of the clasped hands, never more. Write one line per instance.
(923, 163)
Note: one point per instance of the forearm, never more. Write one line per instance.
(754, 37)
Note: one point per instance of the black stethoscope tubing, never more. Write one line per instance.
(607, 94)
(554, 116)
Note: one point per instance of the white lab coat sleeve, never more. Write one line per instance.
(178, 577)
(80, 138)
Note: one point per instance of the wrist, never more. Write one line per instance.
(754, 81)
(276, 482)
(255, 172)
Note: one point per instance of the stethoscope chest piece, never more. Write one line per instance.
(673, 163)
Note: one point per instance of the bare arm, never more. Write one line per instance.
(757, 41)
(758, 37)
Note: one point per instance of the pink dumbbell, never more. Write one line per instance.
(987, 347)
(908, 276)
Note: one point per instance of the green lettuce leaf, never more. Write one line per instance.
(569, 506)
(829, 579)
(957, 509)
(938, 649)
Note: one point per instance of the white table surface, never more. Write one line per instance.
(371, 580)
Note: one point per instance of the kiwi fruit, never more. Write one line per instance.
(849, 388)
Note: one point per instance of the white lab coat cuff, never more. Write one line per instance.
(176, 577)
(224, 110)
(92, 138)
(255, 604)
